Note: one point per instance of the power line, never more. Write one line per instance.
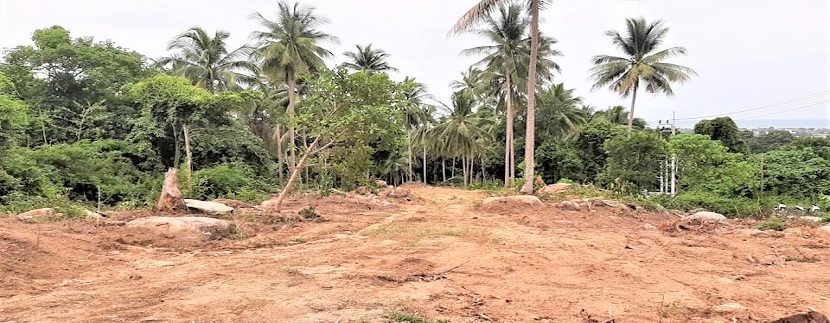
(807, 97)
(788, 110)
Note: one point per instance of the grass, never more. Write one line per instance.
(773, 223)
(405, 317)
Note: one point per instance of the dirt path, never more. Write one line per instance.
(542, 265)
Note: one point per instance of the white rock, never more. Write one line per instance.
(728, 308)
(208, 207)
(825, 230)
(810, 218)
(186, 228)
(569, 205)
(555, 188)
(707, 216)
(514, 200)
(38, 214)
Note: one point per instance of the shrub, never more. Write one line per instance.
(773, 223)
(727, 205)
(234, 180)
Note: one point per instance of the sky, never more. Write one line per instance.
(767, 56)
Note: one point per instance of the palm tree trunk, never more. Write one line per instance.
(530, 133)
(633, 100)
(409, 157)
(278, 138)
(292, 102)
(508, 140)
(464, 169)
(294, 175)
(443, 170)
(177, 154)
(424, 169)
(452, 168)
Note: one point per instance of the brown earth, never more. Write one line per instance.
(437, 256)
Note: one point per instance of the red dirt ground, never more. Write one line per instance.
(528, 265)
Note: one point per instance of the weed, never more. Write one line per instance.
(404, 317)
(773, 223)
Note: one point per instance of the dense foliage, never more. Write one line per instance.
(86, 122)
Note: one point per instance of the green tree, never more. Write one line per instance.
(590, 146)
(206, 61)
(349, 110)
(71, 85)
(633, 161)
(772, 140)
(463, 133)
(289, 47)
(724, 130)
(559, 113)
(506, 62)
(476, 14)
(796, 173)
(643, 63)
(368, 59)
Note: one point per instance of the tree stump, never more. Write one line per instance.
(171, 198)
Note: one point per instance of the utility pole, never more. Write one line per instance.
(673, 158)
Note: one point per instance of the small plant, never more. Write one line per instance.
(404, 317)
(773, 223)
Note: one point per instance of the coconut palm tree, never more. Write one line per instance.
(476, 14)
(505, 63)
(205, 60)
(368, 59)
(560, 113)
(415, 115)
(461, 132)
(643, 63)
(290, 46)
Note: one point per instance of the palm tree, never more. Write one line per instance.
(642, 63)
(290, 47)
(476, 14)
(463, 132)
(415, 114)
(506, 61)
(560, 112)
(368, 59)
(205, 60)
(471, 80)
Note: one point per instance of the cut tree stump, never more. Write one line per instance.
(171, 198)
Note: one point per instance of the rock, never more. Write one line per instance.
(706, 216)
(825, 230)
(185, 228)
(612, 204)
(809, 317)
(728, 308)
(233, 203)
(649, 226)
(511, 201)
(555, 188)
(362, 190)
(569, 205)
(381, 183)
(39, 214)
(399, 192)
(208, 207)
(93, 215)
(810, 218)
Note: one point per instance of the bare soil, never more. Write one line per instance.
(436, 256)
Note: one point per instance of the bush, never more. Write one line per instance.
(234, 180)
(731, 206)
(773, 223)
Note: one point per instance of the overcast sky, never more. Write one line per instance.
(764, 54)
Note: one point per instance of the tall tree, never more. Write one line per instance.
(476, 14)
(289, 47)
(463, 132)
(416, 114)
(368, 59)
(559, 112)
(205, 60)
(506, 63)
(643, 63)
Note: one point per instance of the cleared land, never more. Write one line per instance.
(437, 256)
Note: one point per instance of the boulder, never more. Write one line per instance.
(94, 215)
(233, 203)
(555, 188)
(511, 201)
(825, 230)
(569, 205)
(399, 192)
(706, 216)
(381, 183)
(39, 214)
(728, 308)
(183, 228)
(208, 207)
(362, 190)
(810, 218)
